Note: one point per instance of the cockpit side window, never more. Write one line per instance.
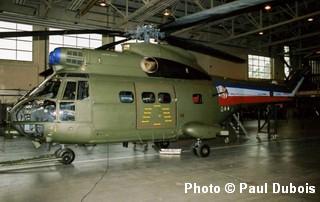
(50, 89)
(83, 90)
(70, 91)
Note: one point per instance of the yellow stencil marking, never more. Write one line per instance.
(167, 117)
(146, 112)
(156, 105)
(157, 124)
(165, 109)
(143, 121)
(166, 112)
(148, 108)
(146, 117)
(168, 121)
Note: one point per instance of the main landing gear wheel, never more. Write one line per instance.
(201, 150)
(67, 155)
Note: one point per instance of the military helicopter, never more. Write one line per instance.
(149, 92)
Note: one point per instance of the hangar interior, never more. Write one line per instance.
(275, 38)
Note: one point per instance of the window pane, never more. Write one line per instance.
(259, 67)
(197, 98)
(164, 98)
(86, 36)
(75, 40)
(126, 97)
(16, 48)
(24, 27)
(53, 46)
(56, 39)
(148, 97)
(82, 42)
(8, 44)
(5, 29)
(72, 41)
(70, 91)
(8, 54)
(95, 43)
(96, 36)
(67, 111)
(8, 25)
(24, 56)
(24, 45)
(83, 90)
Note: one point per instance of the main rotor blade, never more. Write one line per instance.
(61, 32)
(215, 13)
(189, 45)
(111, 45)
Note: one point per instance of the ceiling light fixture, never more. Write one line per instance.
(260, 33)
(267, 7)
(103, 3)
(167, 12)
(310, 19)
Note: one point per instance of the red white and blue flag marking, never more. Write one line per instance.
(233, 93)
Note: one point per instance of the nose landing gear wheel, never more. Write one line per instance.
(67, 156)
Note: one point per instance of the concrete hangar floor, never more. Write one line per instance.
(137, 176)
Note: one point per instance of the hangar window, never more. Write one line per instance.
(164, 98)
(126, 97)
(15, 48)
(148, 97)
(74, 40)
(197, 99)
(259, 67)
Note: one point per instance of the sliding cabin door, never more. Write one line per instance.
(156, 106)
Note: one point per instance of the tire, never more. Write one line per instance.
(67, 156)
(203, 150)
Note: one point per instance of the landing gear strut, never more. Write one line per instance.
(200, 149)
(67, 155)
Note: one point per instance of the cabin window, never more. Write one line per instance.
(148, 97)
(197, 98)
(70, 91)
(49, 89)
(83, 90)
(67, 111)
(126, 97)
(164, 98)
